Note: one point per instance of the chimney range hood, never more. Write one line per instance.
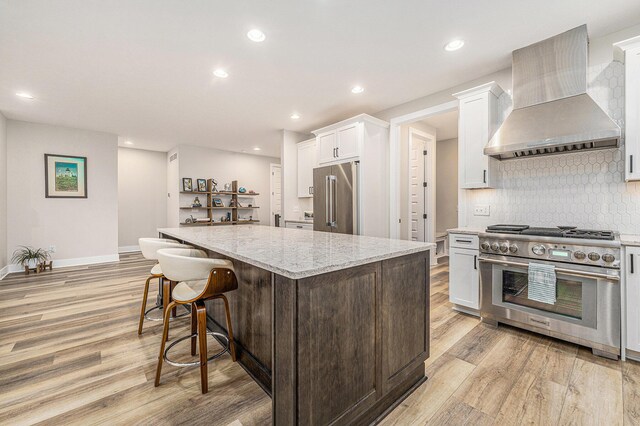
(552, 112)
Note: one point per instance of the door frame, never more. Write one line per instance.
(394, 161)
(430, 196)
(271, 193)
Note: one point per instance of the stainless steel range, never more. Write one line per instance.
(584, 266)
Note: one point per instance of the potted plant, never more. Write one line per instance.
(29, 257)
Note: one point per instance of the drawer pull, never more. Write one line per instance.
(464, 241)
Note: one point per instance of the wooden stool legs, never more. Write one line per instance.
(163, 342)
(232, 345)
(199, 327)
(202, 340)
(144, 304)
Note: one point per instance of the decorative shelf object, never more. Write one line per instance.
(210, 207)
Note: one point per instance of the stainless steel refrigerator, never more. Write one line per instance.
(335, 198)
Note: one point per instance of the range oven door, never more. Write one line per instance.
(587, 307)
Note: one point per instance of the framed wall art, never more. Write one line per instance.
(65, 176)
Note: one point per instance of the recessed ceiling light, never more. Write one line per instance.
(24, 95)
(454, 45)
(128, 143)
(220, 73)
(256, 35)
(295, 116)
(357, 89)
(256, 149)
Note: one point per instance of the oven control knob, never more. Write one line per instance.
(485, 246)
(538, 249)
(504, 247)
(594, 256)
(513, 248)
(608, 257)
(495, 247)
(580, 255)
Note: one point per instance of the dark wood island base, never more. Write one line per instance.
(343, 347)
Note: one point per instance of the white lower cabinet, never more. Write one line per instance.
(464, 277)
(298, 225)
(632, 280)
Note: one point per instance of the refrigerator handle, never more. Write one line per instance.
(330, 200)
(327, 197)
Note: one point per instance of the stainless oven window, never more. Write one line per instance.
(568, 294)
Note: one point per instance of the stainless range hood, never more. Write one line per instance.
(552, 112)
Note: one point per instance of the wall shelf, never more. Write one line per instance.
(209, 207)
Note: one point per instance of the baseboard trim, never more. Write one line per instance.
(4, 272)
(128, 249)
(62, 263)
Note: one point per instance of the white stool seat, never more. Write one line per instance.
(156, 270)
(150, 246)
(188, 290)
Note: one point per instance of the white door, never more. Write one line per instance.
(275, 203)
(326, 147)
(348, 141)
(419, 181)
(464, 281)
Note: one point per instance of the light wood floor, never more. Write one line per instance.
(69, 354)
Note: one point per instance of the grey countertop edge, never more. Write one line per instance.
(630, 240)
(310, 272)
(471, 231)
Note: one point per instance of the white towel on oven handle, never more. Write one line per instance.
(542, 283)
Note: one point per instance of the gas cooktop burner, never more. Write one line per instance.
(560, 232)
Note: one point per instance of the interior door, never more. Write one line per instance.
(418, 186)
(276, 192)
(321, 198)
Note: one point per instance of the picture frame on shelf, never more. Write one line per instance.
(187, 185)
(217, 202)
(65, 176)
(202, 185)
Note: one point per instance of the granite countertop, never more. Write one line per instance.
(472, 231)
(630, 240)
(291, 253)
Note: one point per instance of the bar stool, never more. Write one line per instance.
(201, 278)
(149, 248)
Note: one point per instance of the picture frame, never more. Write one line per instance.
(65, 176)
(202, 185)
(187, 185)
(217, 202)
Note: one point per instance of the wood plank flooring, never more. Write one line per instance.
(69, 354)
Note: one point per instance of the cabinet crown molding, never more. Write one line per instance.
(627, 44)
(492, 87)
(360, 117)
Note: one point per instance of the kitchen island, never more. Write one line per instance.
(334, 327)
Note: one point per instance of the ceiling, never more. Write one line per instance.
(446, 125)
(143, 69)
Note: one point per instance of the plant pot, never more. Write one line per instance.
(32, 263)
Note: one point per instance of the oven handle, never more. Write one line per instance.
(560, 270)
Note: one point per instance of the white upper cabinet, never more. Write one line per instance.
(306, 163)
(348, 141)
(477, 122)
(344, 141)
(631, 51)
(326, 147)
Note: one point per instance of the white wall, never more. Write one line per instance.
(4, 261)
(142, 195)
(83, 230)
(292, 207)
(446, 184)
(251, 171)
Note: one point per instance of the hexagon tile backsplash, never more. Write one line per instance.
(585, 189)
